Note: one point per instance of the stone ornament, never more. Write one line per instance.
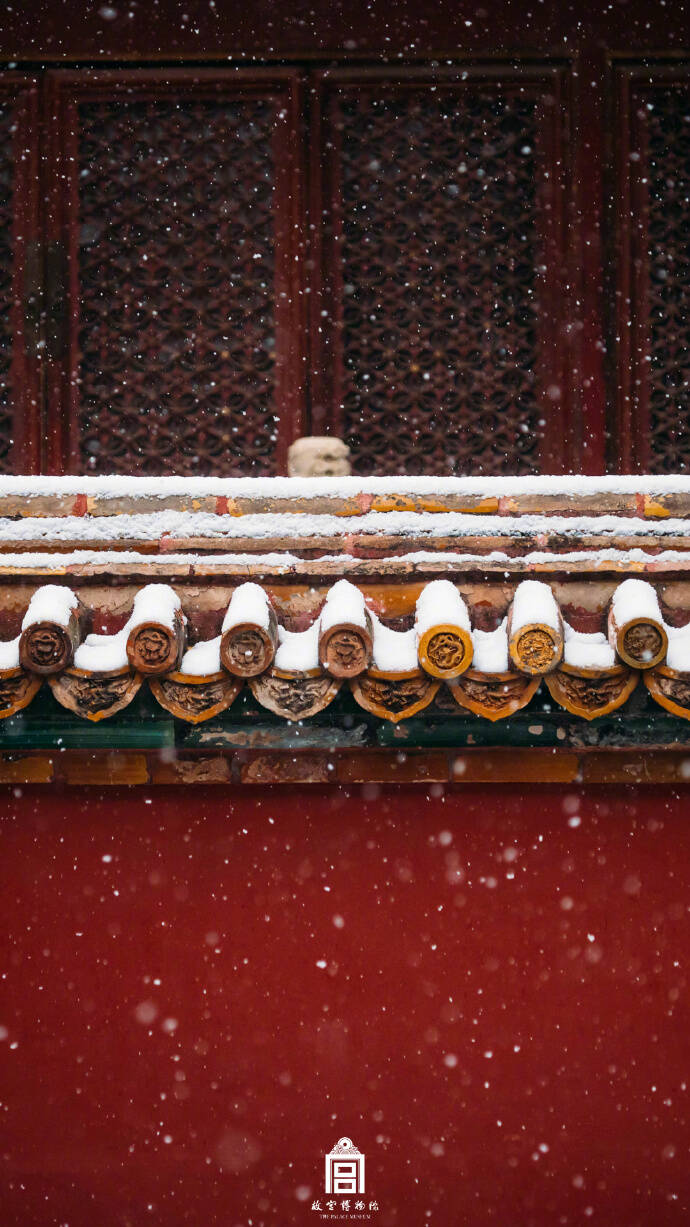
(48, 647)
(95, 696)
(17, 689)
(670, 688)
(294, 696)
(195, 699)
(154, 648)
(394, 696)
(319, 456)
(591, 693)
(248, 648)
(493, 695)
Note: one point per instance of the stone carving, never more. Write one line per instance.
(536, 650)
(446, 651)
(394, 698)
(248, 649)
(643, 642)
(318, 456)
(493, 695)
(95, 696)
(345, 650)
(670, 688)
(590, 693)
(49, 647)
(154, 648)
(17, 689)
(195, 699)
(295, 697)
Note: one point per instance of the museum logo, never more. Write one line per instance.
(344, 1185)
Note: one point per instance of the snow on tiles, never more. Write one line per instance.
(678, 651)
(248, 604)
(203, 659)
(298, 651)
(587, 650)
(106, 653)
(491, 650)
(50, 603)
(344, 603)
(103, 653)
(155, 603)
(534, 602)
(394, 651)
(440, 603)
(635, 598)
(9, 654)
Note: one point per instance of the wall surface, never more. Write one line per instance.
(485, 989)
(320, 27)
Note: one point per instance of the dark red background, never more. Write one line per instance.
(229, 901)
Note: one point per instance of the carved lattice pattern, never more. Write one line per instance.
(7, 122)
(668, 122)
(439, 258)
(176, 285)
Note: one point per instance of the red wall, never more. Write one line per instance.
(548, 958)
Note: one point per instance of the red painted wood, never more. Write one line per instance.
(600, 49)
(501, 1024)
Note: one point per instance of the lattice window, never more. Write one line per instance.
(19, 276)
(433, 322)
(176, 271)
(7, 121)
(667, 116)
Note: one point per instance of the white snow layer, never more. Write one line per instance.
(203, 658)
(104, 653)
(635, 598)
(394, 651)
(587, 650)
(344, 603)
(440, 603)
(678, 655)
(173, 527)
(155, 603)
(50, 603)
(491, 650)
(118, 487)
(9, 654)
(298, 651)
(283, 563)
(534, 602)
(248, 603)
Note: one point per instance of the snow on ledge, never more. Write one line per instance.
(116, 486)
(180, 526)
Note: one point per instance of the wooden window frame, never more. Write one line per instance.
(65, 89)
(560, 441)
